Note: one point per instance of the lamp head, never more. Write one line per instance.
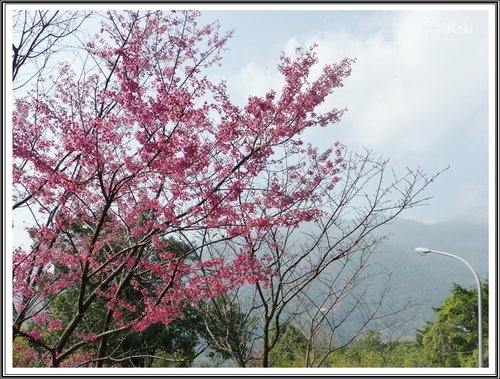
(422, 250)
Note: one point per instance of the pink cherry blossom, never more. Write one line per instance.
(142, 146)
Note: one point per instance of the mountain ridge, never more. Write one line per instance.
(428, 279)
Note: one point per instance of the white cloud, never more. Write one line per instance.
(416, 86)
(254, 80)
(414, 81)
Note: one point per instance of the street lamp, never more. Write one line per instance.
(424, 250)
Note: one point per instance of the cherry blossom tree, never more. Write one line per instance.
(134, 145)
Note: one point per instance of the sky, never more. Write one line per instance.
(418, 92)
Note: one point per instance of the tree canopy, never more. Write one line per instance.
(451, 340)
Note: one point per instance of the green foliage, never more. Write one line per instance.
(451, 340)
(20, 353)
(171, 345)
(368, 351)
(372, 351)
(406, 354)
(290, 349)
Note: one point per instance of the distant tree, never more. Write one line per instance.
(227, 330)
(371, 350)
(290, 348)
(451, 339)
(172, 345)
(406, 353)
(366, 352)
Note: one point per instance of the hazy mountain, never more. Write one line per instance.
(429, 278)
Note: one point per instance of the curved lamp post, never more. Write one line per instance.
(424, 250)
